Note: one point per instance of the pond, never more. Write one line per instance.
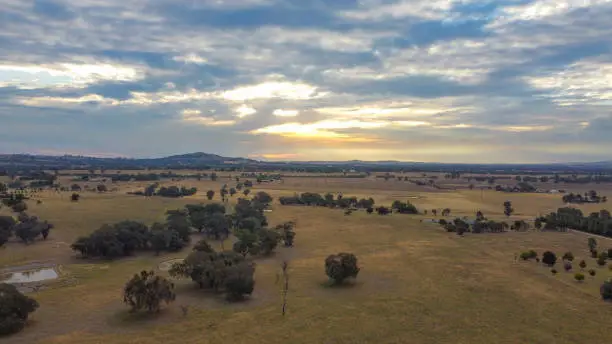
(29, 276)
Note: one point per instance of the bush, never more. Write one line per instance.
(579, 277)
(531, 254)
(341, 266)
(549, 258)
(582, 264)
(19, 207)
(592, 272)
(75, 197)
(568, 256)
(601, 261)
(606, 290)
(14, 309)
(147, 291)
(553, 271)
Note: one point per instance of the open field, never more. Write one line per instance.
(418, 283)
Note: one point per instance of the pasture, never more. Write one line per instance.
(418, 283)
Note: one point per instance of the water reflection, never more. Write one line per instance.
(30, 276)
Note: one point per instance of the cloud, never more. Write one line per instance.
(65, 74)
(318, 79)
(273, 89)
(244, 111)
(587, 81)
(195, 116)
(285, 113)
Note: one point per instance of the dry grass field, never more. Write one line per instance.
(418, 284)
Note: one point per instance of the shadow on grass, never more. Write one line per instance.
(126, 318)
(346, 284)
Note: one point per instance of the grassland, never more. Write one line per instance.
(418, 284)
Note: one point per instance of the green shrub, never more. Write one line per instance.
(568, 256)
(341, 266)
(579, 277)
(531, 254)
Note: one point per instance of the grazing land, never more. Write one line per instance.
(418, 283)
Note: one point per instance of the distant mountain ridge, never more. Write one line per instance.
(208, 160)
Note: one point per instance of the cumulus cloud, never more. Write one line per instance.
(317, 79)
(285, 113)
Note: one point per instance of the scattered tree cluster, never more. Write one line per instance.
(599, 223)
(227, 271)
(588, 197)
(327, 200)
(26, 228)
(126, 237)
(166, 191)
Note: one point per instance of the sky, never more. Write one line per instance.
(475, 81)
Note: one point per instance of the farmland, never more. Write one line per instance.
(418, 283)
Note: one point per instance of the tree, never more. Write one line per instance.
(582, 264)
(263, 197)
(592, 242)
(232, 192)
(446, 212)
(75, 197)
(383, 211)
(224, 271)
(579, 276)
(606, 290)
(203, 246)
(210, 194)
(239, 281)
(508, 210)
(341, 266)
(592, 272)
(3, 188)
(538, 223)
(163, 239)
(147, 291)
(370, 210)
(568, 256)
(479, 216)
(549, 258)
(14, 309)
(246, 192)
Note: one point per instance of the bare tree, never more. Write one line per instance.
(284, 274)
